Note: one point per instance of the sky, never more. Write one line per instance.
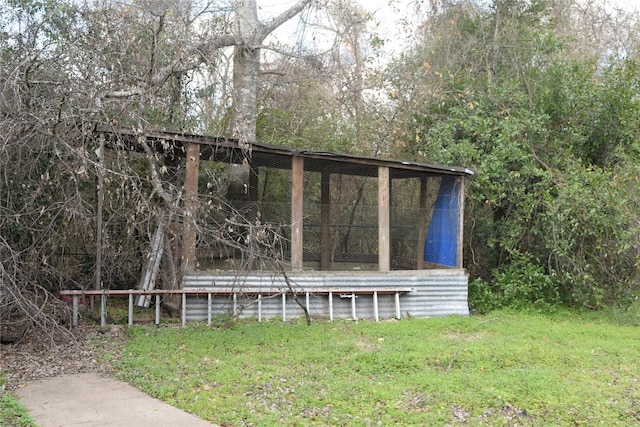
(387, 14)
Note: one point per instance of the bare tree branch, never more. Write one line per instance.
(277, 21)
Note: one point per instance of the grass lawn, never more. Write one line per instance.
(500, 369)
(12, 413)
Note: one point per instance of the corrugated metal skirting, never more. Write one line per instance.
(434, 293)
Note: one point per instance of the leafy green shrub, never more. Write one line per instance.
(522, 284)
(482, 298)
(593, 230)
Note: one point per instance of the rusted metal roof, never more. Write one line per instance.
(229, 150)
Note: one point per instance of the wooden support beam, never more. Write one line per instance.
(325, 221)
(297, 199)
(384, 220)
(422, 224)
(191, 207)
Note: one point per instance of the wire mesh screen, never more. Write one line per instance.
(349, 220)
(245, 217)
(405, 221)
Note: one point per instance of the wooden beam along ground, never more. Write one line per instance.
(210, 293)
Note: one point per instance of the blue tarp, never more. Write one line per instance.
(441, 246)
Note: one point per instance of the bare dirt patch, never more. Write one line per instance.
(40, 355)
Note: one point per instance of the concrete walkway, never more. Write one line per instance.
(90, 400)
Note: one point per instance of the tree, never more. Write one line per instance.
(325, 95)
(535, 114)
(65, 67)
(250, 34)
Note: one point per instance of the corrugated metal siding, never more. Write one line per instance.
(435, 293)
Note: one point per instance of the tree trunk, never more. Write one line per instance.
(250, 34)
(246, 67)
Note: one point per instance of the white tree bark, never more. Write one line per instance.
(250, 34)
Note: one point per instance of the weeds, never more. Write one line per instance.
(12, 414)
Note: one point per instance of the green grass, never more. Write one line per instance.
(502, 369)
(13, 414)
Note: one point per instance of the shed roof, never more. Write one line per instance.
(229, 150)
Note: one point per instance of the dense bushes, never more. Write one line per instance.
(521, 284)
(551, 129)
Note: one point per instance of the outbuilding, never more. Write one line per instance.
(312, 232)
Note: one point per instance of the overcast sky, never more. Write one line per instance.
(387, 13)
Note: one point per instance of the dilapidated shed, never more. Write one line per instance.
(306, 231)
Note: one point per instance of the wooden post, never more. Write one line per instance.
(460, 222)
(422, 224)
(297, 199)
(191, 207)
(384, 220)
(325, 221)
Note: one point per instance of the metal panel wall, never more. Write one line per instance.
(435, 293)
